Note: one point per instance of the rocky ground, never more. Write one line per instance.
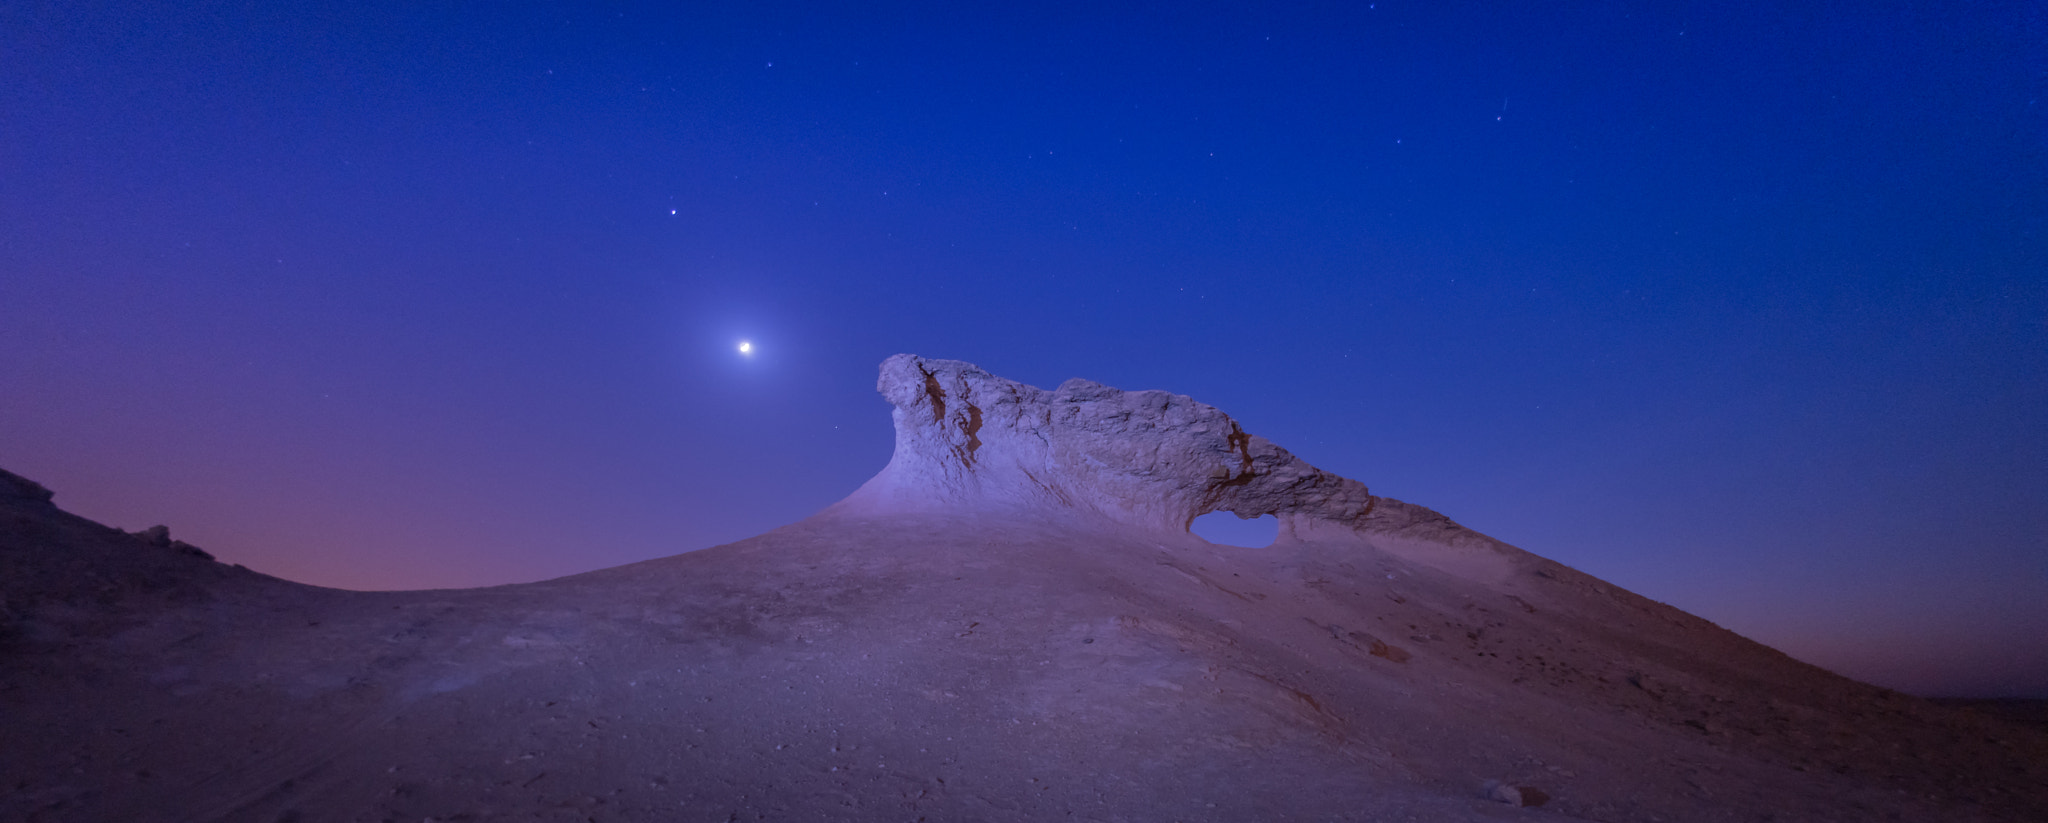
(975, 660)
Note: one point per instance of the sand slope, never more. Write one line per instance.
(945, 662)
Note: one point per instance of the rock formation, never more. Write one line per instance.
(969, 440)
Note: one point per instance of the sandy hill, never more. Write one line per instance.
(1010, 622)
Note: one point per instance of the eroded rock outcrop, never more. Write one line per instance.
(966, 438)
(16, 487)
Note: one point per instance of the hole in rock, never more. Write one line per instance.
(1226, 529)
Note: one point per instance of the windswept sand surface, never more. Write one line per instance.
(919, 667)
(954, 662)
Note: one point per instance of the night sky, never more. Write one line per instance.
(1740, 306)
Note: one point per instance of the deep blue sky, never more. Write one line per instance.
(1741, 306)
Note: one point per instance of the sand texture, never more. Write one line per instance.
(1009, 623)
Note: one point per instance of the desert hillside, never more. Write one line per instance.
(1010, 622)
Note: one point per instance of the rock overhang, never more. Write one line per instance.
(966, 438)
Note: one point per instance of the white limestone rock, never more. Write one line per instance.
(966, 438)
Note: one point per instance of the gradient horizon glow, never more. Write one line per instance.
(1740, 307)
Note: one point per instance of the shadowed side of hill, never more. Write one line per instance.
(62, 576)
